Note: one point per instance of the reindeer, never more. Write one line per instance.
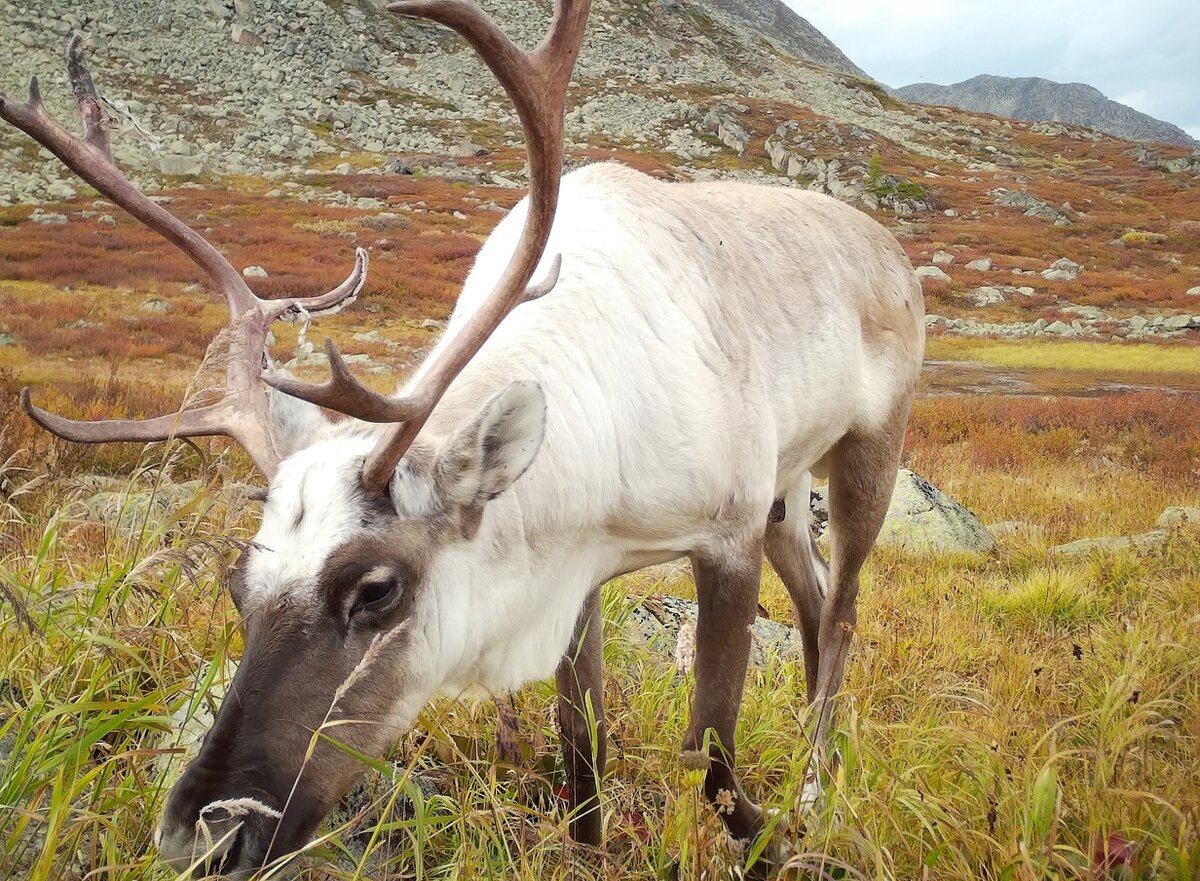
(695, 354)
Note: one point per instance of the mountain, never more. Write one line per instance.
(1037, 100)
(778, 21)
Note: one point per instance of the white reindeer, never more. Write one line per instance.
(703, 351)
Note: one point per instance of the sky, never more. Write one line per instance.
(1144, 53)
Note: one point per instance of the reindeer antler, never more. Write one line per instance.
(242, 412)
(536, 81)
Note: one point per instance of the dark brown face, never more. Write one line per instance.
(271, 768)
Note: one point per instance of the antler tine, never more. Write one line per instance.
(243, 412)
(326, 304)
(547, 284)
(343, 393)
(91, 159)
(91, 114)
(220, 419)
(536, 82)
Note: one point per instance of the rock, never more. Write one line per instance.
(397, 166)
(1178, 517)
(466, 149)
(943, 258)
(156, 305)
(84, 324)
(1030, 205)
(181, 166)
(1193, 292)
(1062, 270)
(1146, 541)
(6, 340)
(987, 296)
(982, 265)
(254, 272)
(130, 510)
(433, 324)
(933, 272)
(776, 153)
(48, 219)
(921, 517)
(243, 36)
(657, 623)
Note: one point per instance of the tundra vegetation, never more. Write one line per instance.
(1018, 716)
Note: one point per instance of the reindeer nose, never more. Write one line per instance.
(205, 847)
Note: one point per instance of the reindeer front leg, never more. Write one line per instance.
(727, 592)
(580, 681)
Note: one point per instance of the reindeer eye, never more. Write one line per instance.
(376, 594)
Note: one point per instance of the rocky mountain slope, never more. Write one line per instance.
(1036, 99)
(265, 85)
(281, 126)
(786, 28)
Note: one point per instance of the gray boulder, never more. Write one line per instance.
(1178, 517)
(1146, 541)
(156, 306)
(667, 626)
(181, 166)
(128, 511)
(923, 518)
(934, 272)
(984, 264)
(987, 296)
(1062, 270)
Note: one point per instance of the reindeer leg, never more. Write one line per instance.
(795, 556)
(861, 479)
(727, 590)
(580, 681)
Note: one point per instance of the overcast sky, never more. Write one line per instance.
(1144, 53)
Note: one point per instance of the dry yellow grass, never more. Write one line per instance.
(1114, 359)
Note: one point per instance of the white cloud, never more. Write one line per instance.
(1148, 55)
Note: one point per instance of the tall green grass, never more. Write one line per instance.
(1009, 718)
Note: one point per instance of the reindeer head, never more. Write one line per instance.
(363, 590)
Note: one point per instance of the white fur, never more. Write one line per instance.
(312, 508)
(704, 348)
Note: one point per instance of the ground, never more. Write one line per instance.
(1016, 716)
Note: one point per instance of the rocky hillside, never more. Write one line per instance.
(1040, 100)
(779, 22)
(282, 126)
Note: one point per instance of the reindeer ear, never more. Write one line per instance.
(486, 456)
(294, 423)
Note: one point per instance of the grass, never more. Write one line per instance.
(1009, 717)
(1068, 355)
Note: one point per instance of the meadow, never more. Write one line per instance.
(1019, 716)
